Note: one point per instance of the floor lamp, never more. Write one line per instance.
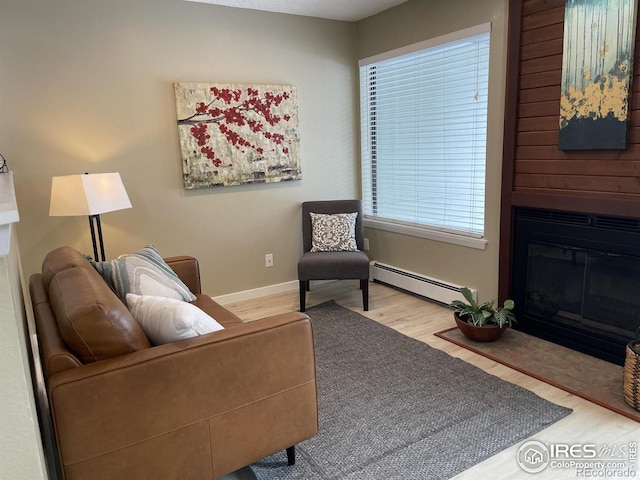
(91, 195)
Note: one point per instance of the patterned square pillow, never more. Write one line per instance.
(143, 273)
(333, 232)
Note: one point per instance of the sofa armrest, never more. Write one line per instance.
(54, 353)
(246, 392)
(188, 270)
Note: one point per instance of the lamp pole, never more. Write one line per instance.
(94, 223)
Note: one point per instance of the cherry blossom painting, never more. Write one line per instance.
(234, 134)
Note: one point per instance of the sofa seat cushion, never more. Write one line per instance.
(92, 320)
(166, 320)
(61, 259)
(223, 316)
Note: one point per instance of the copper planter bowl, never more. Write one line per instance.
(487, 333)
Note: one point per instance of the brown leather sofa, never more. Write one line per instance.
(194, 409)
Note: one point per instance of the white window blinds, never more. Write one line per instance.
(423, 133)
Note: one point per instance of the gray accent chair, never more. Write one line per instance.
(333, 265)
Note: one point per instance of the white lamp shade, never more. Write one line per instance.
(88, 194)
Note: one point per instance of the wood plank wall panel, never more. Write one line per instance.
(535, 173)
(539, 168)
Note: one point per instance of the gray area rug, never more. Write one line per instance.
(391, 407)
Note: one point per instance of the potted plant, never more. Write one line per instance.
(482, 321)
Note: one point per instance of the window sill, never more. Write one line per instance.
(438, 236)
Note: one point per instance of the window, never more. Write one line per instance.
(423, 134)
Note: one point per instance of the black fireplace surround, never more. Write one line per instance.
(576, 279)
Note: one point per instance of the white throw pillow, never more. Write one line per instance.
(166, 320)
(333, 232)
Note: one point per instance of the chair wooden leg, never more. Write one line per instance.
(303, 294)
(291, 455)
(364, 285)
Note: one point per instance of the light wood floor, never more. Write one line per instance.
(418, 318)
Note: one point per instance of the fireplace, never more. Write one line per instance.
(576, 279)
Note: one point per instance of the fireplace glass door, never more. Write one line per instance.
(584, 288)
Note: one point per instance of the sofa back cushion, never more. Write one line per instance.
(60, 259)
(92, 320)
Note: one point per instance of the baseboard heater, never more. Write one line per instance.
(418, 284)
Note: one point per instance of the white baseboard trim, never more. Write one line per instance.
(262, 292)
(257, 292)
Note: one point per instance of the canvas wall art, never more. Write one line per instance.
(234, 134)
(597, 68)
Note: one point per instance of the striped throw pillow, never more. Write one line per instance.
(143, 273)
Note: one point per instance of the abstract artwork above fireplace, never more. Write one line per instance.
(237, 134)
(597, 68)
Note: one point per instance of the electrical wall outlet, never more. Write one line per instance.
(268, 260)
(366, 244)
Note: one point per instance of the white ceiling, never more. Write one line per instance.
(347, 10)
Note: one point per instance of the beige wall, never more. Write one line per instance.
(87, 85)
(413, 22)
